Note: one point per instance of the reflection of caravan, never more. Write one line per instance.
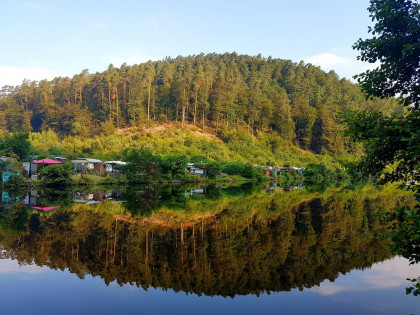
(80, 197)
(196, 191)
(94, 197)
(30, 198)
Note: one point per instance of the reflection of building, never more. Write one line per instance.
(30, 198)
(94, 197)
(196, 191)
(277, 186)
(5, 197)
(81, 197)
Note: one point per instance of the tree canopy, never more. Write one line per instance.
(395, 45)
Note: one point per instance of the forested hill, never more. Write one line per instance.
(217, 93)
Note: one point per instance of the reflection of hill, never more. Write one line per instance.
(226, 246)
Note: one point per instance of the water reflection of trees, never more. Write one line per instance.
(221, 246)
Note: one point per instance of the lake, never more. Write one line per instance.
(184, 249)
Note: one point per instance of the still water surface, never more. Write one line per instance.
(182, 249)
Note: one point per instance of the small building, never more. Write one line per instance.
(199, 171)
(266, 171)
(61, 159)
(84, 164)
(110, 165)
(8, 169)
(99, 167)
(28, 168)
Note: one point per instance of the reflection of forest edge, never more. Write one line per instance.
(223, 246)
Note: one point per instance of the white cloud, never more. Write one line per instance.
(15, 76)
(343, 62)
(391, 273)
(12, 266)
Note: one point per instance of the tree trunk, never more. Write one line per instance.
(125, 102)
(110, 105)
(115, 241)
(147, 247)
(148, 104)
(183, 116)
(195, 106)
(183, 109)
(118, 106)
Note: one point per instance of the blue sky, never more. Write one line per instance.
(43, 39)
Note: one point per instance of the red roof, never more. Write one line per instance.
(46, 161)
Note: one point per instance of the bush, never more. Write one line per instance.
(16, 180)
(233, 168)
(174, 166)
(142, 166)
(212, 170)
(57, 175)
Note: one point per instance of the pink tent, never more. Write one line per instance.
(43, 208)
(46, 161)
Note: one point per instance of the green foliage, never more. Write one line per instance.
(174, 166)
(15, 219)
(15, 181)
(254, 173)
(57, 196)
(16, 144)
(233, 168)
(318, 172)
(198, 160)
(212, 169)
(57, 175)
(396, 44)
(391, 140)
(406, 233)
(142, 166)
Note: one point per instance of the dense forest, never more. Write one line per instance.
(215, 93)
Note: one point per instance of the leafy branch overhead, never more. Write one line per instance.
(395, 45)
(393, 143)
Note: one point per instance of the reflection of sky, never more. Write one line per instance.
(29, 289)
(12, 266)
(389, 274)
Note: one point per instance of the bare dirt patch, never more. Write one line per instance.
(166, 128)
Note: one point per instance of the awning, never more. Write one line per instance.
(46, 161)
